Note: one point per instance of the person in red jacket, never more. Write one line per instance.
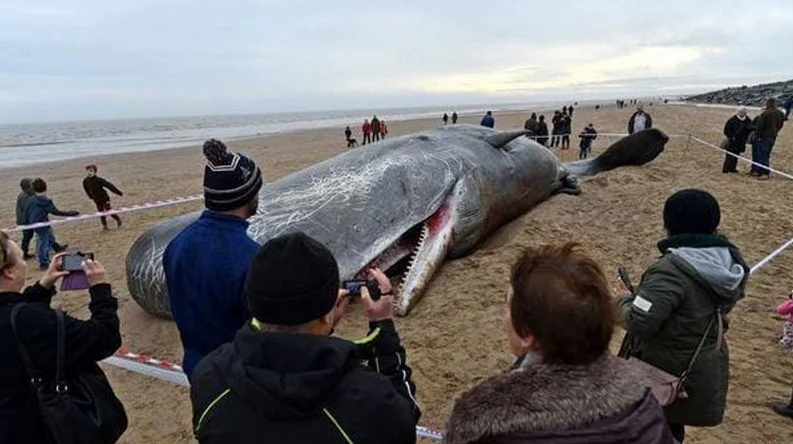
(366, 128)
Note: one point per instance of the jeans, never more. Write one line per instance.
(761, 153)
(44, 243)
(27, 236)
(366, 138)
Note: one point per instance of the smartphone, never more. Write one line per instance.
(74, 261)
(626, 279)
(354, 287)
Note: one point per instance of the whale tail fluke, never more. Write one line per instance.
(637, 149)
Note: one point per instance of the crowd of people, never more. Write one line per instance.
(257, 322)
(373, 131)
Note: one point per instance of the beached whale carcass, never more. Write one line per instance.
(425, 196)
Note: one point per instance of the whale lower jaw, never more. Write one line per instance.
(425, 246)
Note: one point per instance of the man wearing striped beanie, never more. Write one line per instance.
(206, 265)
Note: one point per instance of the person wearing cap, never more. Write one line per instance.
(697, 281)
(206, 264)
(736, 131)
(284, 378)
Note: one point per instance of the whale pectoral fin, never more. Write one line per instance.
(501, 139)
(436, 238)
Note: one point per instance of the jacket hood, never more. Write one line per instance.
(605, 402)
(26, 185)
(286, 376)
(711, 260)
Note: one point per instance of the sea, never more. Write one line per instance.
(28, 144)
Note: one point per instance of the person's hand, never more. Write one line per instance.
(54, 272)
(382, 280)
(94, 271)
(379, 310)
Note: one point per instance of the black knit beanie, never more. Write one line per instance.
(293, 280)
(691, 211)
(231, 180)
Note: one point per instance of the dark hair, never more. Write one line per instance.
(39, 185)
(562, 297)
(542, 117)
(92, 168)
(770, 103)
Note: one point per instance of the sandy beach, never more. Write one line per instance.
(453, 336)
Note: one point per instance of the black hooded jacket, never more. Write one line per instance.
(293, 388)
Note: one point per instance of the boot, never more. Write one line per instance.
(58, 248)
(785, 410)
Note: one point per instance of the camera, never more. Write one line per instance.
(354, 287)
(74, 261)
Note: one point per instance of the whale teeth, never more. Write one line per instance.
(425, 231)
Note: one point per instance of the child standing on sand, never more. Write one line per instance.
(38, 210)
(786, 309)
(587, 136)
(94, 187)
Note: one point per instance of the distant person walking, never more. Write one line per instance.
(383, 129)
(567, 128)
(564, 109)
(542, 131)
(22, 203)
(736, 131)
(366, 129)
(570, 111)
(375, 129)
(555, 128)
(348, 136)
(639, 121)
(532, 125)
(445, 119)
(587, 136)
(788, 105)
(767, 125)
(94, 187)
(488, 120)
(454, 117)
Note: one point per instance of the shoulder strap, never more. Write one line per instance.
(720, 322)
(35, 379)
(60, 382)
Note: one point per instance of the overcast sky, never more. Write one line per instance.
(77, 59)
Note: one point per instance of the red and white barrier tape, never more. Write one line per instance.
(134, 208)
(167, 371)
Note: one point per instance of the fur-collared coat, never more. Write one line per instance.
(604, 402)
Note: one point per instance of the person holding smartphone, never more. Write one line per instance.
(284, 377)
(86, 341)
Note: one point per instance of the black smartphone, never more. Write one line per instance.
(354, 287)
(626, 278)
(74, 261)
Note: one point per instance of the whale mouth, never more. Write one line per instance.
(416, 255)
